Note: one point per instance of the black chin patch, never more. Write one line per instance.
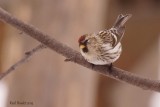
(85, 50)
(84, 43)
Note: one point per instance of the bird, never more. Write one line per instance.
(104, 47)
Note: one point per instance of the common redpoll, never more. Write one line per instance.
(104, 47)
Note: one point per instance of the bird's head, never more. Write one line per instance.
(83, 43)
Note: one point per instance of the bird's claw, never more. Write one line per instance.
(110, 67)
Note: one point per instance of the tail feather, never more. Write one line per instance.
(118, 28)
(121, 20)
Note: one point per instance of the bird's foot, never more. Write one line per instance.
(92, 66)
(110, 67)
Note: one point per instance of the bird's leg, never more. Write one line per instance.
(92, 65)
(110, 67)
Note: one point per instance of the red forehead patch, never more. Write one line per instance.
(81, 38)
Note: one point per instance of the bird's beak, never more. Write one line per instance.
(82, 46)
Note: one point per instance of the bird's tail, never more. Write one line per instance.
(119, 25)
(121, 20)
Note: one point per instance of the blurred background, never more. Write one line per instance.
(47, 81)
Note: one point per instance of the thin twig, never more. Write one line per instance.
(23, 60)
(76, 57)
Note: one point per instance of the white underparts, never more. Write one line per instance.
(109, 56)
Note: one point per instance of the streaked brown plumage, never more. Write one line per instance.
(104, 47)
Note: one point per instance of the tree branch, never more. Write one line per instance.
(23, 60)
(76, 57)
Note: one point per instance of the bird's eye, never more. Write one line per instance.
(88, 41)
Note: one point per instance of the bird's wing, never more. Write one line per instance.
(108, 37)
(115, 34)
